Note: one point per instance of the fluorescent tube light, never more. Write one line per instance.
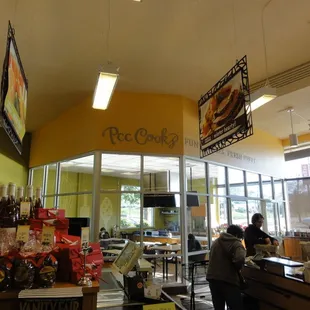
(262, 96)
(104, 90)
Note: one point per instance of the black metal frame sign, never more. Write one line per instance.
(225, 115)
(6, 123)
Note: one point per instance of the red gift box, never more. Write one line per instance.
(45, 214)
(35, 224)
(95, 257)
(60, 224)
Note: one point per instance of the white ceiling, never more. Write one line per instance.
(271, 117)
(164, 46)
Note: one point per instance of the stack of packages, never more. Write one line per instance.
(32, 237)
(71, 259)
(25, 259)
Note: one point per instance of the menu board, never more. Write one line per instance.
(225, 112)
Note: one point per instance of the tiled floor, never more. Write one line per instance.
(111, 294)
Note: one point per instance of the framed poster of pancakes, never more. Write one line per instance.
(225, 114)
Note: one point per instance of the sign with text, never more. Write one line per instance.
(224, 111)
(22, 234)
(85, 237)
(51, 304)
(161, 306)
(24, 209)
(141, 136)
(48, 233)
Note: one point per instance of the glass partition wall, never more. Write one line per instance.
(158, 200)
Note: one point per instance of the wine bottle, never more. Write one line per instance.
(12, 209)
(19, 195)
(38, 201)
(3, 201)
(29, 198)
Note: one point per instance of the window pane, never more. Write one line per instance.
(253, 185)
(161, 174)
(282, 211)
(117, 170)
(271, 218)
(197, 225)
(236, 182)
(217, 180)
(51, 179)
(278, 190)
(219, 218)
(37, 180)
(49, 203)
(69, 203)
(239, 213)
(196, 176)
(267, 187)
(254, 206)
(299, 197)
(77, 175)
(297, 168)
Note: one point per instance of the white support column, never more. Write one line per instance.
(141, 199)
(183, 213)
(95, 215)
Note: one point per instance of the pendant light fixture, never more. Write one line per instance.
(266, 93)
(107, 78)
(293, 137)
(262, 96)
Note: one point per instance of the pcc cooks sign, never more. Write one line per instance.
(141, 136)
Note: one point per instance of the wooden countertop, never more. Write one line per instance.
(12, 294)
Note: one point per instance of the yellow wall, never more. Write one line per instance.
(261, 152)
(80, 129)
(301, 139)
(10, 171)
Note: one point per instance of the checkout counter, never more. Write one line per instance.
(277, 283)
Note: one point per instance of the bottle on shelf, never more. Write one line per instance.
(3, 201)
(19, 195)
(12, 208)
(29, 198)
(38, 200)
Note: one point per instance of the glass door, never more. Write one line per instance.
(239, 212)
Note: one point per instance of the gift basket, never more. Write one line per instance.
(35, 248)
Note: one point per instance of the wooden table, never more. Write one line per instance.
(117, 245)
(9, 300)
(168, 249)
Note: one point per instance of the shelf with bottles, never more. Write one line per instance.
(17, 208)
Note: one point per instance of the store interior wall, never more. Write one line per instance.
(14, 167)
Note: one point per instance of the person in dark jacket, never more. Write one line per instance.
(194, 245)
(227, 256)
(254, 235)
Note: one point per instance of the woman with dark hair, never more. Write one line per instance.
(227, 256)
(254, 235)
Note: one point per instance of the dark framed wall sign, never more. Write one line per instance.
(225, 114)
(13, 94)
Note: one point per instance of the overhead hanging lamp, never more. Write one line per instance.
(106, 84)
(262, 96)
(266, 93)
(293, 137)
(107, 78)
